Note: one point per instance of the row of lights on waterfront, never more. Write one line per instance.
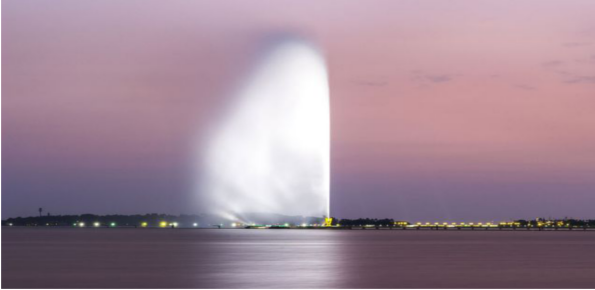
(540, 224)
(175, 224)
(165, 224)
(95, 224)
(113, 224)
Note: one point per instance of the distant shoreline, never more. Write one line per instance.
(423, 229)
(285, 222)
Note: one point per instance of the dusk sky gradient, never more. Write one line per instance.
(440, 110)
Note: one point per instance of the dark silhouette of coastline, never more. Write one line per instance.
(152, 220)
(275, 221)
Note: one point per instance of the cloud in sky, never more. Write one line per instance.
(553, 63)
(579, 79)
(425, 79)
(525, 87)
(581, 70)
(577, 44)
(370, 83)
(438, 78)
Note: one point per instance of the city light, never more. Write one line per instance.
(96, 224)
(163, 224)
(81, 224)
(195, 224)
(144, 224)
(112, 224)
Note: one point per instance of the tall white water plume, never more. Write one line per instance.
(271, 151)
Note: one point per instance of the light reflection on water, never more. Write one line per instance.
(179, 258)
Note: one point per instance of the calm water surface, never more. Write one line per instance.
(192, 258)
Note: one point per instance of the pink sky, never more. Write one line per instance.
(455, 110)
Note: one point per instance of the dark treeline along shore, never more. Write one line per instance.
(260, 220)
(154, 220)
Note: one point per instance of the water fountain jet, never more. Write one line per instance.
(270, 154)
